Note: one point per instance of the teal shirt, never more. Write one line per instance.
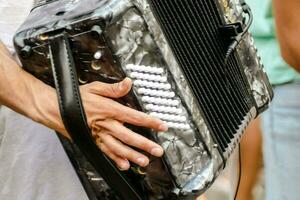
(263, 30)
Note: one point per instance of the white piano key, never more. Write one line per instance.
(142, 68)
(163, 109)
(150, 84)
(160, 101)
(169, 117)
(149, 77)
(180, 126)
(155, 93)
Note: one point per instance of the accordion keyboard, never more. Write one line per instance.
(158, 96)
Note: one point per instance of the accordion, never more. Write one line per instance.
(193, 64)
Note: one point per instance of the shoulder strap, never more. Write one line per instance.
(74, 117)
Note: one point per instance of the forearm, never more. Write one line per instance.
(25, 94)
(288, 30)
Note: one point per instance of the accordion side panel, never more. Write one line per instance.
(191, 28)
(253, 66)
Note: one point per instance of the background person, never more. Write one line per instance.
(280, 124)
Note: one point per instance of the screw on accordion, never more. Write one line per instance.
(176, 53)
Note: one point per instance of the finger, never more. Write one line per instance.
(131, 138)
(134, 117)
(95, 129)
(115, 90)
(123, 164)
(123, 151)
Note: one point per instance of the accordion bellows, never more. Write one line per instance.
(175, 55)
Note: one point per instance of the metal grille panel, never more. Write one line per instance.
(191, 27)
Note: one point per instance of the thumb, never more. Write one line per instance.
(115, 90)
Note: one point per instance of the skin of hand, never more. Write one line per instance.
(288, 30)
(29, 96)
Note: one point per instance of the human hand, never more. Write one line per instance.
(106, 118)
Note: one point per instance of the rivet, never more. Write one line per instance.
(44, 37)
(82, 79)
(141, 171)
(96, 65)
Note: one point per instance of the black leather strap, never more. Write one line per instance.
(74, 117)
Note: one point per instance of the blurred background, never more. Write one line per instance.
(250, 184)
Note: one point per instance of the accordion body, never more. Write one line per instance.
(175, 53)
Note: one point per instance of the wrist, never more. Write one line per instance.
(27, 95)
(46, 108)
(43, 106)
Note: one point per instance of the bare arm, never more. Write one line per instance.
(23, 93)
(288, 30)
(29, 96)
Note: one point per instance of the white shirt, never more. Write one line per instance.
(12, 14)
(33, 164)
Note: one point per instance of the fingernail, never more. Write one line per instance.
(123, 84)
(123, 166)
(142, 162)
(158, 152)
(163, 127)
(126, 79)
